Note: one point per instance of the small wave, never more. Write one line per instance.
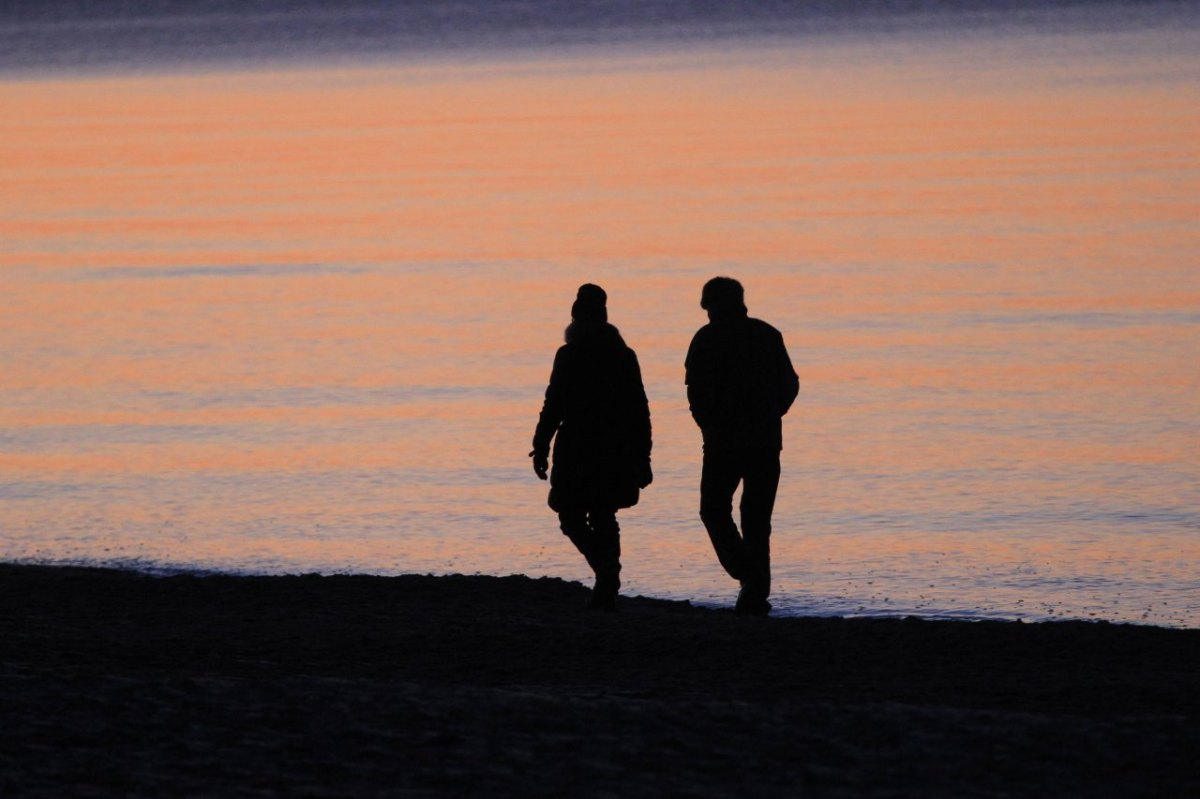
(200, 270)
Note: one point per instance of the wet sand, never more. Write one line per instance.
(114, 683)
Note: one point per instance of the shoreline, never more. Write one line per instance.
(120, 682)
(712, 603)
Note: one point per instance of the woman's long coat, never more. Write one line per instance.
(596, 412)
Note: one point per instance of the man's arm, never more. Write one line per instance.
(698, 374)
(789, 382)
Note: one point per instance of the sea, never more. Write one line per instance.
(282, 283)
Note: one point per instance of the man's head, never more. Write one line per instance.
(723, 297)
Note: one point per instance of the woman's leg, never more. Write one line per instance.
(606, 552)
(574, 524)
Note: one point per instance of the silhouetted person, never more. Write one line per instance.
(597, 414)
(740, 383)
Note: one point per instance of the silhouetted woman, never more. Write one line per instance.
(597, 414)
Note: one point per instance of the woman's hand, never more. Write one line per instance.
(541, 464)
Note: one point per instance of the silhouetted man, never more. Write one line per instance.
(740, 383)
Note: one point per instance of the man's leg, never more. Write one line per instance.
(718, 480)
(761, 483)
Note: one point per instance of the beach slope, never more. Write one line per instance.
(120, 683)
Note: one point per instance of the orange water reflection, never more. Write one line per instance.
(920, 245)
(759, 162)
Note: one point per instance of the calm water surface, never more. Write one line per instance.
(300, 318)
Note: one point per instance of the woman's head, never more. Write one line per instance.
(589, 319)
(589, 305)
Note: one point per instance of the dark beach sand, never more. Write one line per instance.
(114, 683)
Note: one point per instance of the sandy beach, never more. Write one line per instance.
(114, 683)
